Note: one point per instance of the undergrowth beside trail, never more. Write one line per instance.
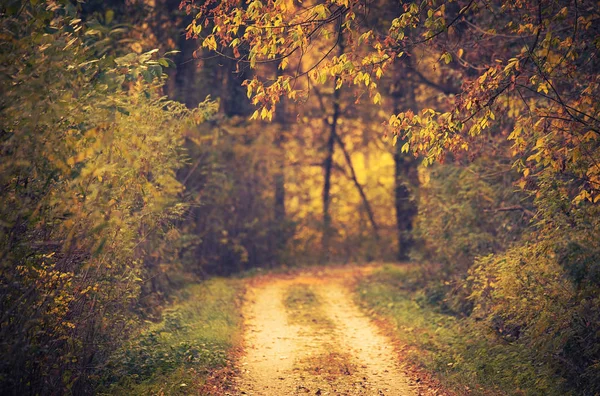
(176, 355)
(462, 353)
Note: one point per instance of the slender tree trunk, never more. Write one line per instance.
(358, 186)
(327, 165)
(279, 178)
(404, 203)
(280, 237)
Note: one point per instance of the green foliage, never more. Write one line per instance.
(232, 225)
(544, 294)
(466, 211)
(466, 354)
(97, 169)
(458, 212)
(89, 152)
(192, 339)
(530, 274)
(532, 283)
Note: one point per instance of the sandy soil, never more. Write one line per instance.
(345, 354)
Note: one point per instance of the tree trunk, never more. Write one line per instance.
(405, 172)
(404, 205)
(327, 165)
(280, 236)
(358, 186)
(279, 180)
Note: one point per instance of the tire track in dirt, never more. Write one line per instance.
(350, 357)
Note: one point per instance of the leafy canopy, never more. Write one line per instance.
(528, 69)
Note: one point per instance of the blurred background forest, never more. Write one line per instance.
(130, 166)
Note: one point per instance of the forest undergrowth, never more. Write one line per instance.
(465, 355)
(195, 338)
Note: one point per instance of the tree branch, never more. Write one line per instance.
(358, 185)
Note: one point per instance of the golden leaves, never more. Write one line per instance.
(514, 91)
(377, 98)
(320, 11)
(446, 57)
(284, 63)
(210, 43)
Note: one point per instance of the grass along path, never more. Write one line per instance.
(465, 355)
(319, 332)
(186, 353)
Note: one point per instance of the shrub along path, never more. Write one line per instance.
(305, 335)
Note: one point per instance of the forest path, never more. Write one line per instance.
(305, 335)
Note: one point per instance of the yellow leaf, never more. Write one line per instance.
(377, 98)
(210, 43)
(284, 63)
(137, 48)
(446, 57)
(321, 11)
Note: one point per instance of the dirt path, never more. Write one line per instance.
(305, 335)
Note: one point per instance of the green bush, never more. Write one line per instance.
(529, 295)
(466, 354)
(193, 338)
(89, 150)
(459, 217)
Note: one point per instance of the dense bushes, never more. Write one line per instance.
(89, 153)
(232, 225)
(538, 288)
(468, 211)
(178, 353)
(544, 294)
(524, 261)
(467, 355)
